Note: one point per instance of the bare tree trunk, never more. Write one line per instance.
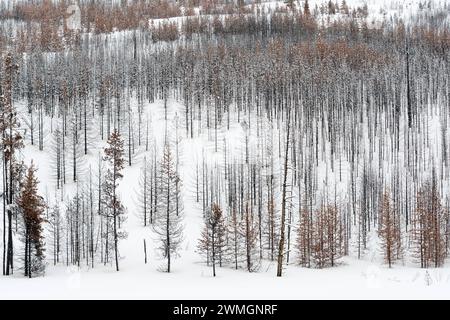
(283, 203)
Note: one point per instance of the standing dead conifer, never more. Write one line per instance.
(213, 238)
(168, 221)
(114, 157)
(429, 227)
(389, 230)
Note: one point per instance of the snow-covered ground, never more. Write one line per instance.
(352, 280)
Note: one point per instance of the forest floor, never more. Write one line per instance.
(353, 279)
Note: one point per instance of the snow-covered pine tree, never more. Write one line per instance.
(168, 224)
(389, 230)
(327, 243)
(429, 227)
(213, 237)
(32, 207)
(114, 208)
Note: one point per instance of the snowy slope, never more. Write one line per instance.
(191, 278)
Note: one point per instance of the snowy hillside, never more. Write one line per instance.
(266, 151)
(352, 279)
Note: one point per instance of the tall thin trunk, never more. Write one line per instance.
(283, 203)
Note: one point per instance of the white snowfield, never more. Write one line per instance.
(190, 278)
